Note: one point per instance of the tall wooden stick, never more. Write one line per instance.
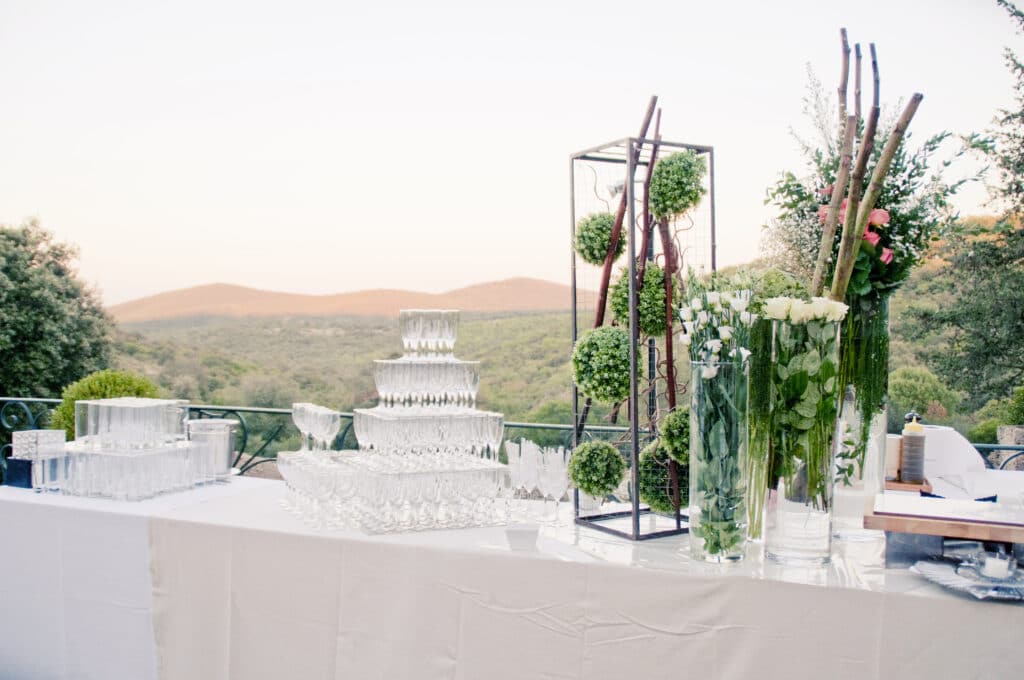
(670, 267)
(844, 76)
(606, 274)
(856, 83)
(645, 239)
(850, 242)
(885, 160)
(828, 232)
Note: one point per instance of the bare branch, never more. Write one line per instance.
(828, 232)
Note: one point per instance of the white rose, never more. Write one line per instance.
(715, 346)
(746, 318)
(696, 304)
(689, 326)
(713, 298)
(740, 300)
(800, 311)
(708, 372)
(686, 314)
(837, 311)
(724, 332)
(777, 307)
(820, 307)
(702, 317)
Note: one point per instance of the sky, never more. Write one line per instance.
(323, 147)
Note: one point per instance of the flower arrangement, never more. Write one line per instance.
(655, 479)
(596, 468)
(651, 305)
(593, 238)
(805, 391)
(677, 184)
(716, 330)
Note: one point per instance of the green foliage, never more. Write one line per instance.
(594, 235)
(675, 436)
(99, 385)
(677, 184)
(976, 321)
(985, 432)
(53, 329)
(601, 363)
(596, 468)
(651, 305)
(655, 479)
(915, 388)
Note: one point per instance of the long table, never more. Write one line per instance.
(224, 583)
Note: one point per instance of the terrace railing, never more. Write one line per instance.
(265, 431)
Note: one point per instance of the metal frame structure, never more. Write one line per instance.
(633, 152)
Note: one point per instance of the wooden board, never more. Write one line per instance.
(948, 528)
(896, 485)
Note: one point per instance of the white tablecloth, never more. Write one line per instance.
(271, 598)
(75, 587)
(223, 583)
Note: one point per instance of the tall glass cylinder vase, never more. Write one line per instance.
(759, 423)
(860, 457)
(805, 388)
(718, 460)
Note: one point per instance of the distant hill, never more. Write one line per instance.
(221, 299)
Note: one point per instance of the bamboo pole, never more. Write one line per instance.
(844, 76)
(850, 242)
(670, 267)
(856, 82)
(828, 232)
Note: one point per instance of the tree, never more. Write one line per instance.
(914, 388)
(981, 323)
(53, 329)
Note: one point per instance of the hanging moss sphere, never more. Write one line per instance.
(677, 184)
(651, 304)
(593, 235)
(675, 436)
(596, 468)
(600, 363)
(656, 479)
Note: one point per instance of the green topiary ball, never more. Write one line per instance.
(600, 363)
(596, 468)
(675, 436)
(677, 184)
(99, 385)
(593, 234)
(656, 479)
(651, 306)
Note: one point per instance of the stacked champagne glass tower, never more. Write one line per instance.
(427, 457)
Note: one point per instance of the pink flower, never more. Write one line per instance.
(873, 238)
(886, 256)
(843, 206)
(826, 192)
(878, 217)
(823, 213)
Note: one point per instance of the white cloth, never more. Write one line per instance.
(75, 586)
(243, 589)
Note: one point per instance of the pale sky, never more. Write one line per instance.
(323, 147)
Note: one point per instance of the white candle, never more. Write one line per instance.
(995, 567)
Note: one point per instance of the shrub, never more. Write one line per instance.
(675, 435)
(677, 184)
(985, 432)
(596, 468)
(915, 388)
(593, 236)
(99, 385)
(600, 363)
(656, 479)
(651, 304)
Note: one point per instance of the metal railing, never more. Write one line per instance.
(262, 432)
(265, 431)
